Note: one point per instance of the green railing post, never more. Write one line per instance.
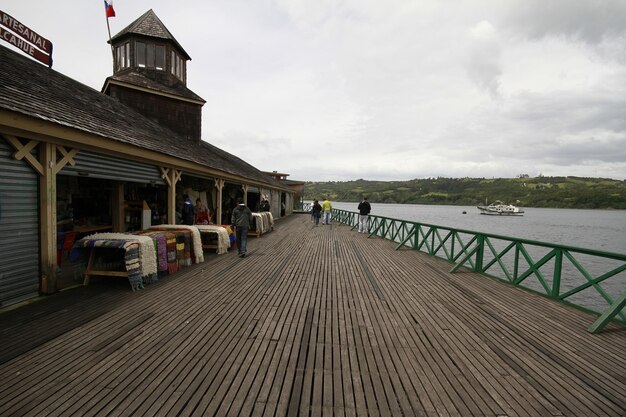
(556, 278)
(480, 253)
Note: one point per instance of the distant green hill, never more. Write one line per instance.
(556, 192)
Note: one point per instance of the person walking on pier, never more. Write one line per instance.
(327, 210)
(241, 219)
(316, 212)
(364, 214)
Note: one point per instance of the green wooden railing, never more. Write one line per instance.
(589, 279)
(302, 206)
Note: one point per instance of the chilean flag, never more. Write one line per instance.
(108, 8)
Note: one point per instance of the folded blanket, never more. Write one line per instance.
(139, 254)
(161, 247)
(270, 219)
(263, 222)
(198, 255)
(223, 241)
(172, 262)
(183, 247)
(257, 223)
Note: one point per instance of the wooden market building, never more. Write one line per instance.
(74, 158)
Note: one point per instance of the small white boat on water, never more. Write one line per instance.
(498, 208)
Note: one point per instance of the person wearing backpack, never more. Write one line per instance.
(241, 220)
(188, 212)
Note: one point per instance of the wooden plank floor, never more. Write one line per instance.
(316, 321)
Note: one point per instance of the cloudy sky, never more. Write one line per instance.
(384, 90)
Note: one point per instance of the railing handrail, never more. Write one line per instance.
(479, 247)
(586, 251)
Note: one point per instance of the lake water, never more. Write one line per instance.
(603, 230)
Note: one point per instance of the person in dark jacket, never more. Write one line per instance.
(187, 212)
(364, 214)
(241, 220)
(316, 212)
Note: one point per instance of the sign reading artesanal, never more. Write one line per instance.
(25, 39)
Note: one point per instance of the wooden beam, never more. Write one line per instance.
(244, 187)
(165, 175)
(48, 219)
(23, 152)
(171, 176)
(219, 184)
(28, 127)
(67, 158)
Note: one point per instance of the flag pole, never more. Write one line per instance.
(111, 43)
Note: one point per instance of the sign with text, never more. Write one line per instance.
(25, 39)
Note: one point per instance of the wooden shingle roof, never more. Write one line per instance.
(135, 79)
(34, 90)
(149, 25)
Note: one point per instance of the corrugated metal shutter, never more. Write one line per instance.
(19, 228)
(108, 167)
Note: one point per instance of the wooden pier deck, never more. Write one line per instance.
(316, 321)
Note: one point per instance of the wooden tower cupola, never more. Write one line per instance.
(150, 75)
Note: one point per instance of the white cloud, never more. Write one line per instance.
(344, 89)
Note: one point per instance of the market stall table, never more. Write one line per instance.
(138, 262)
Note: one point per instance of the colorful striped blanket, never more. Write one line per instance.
(196, 241)
(160, 243)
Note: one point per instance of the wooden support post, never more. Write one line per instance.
(171, 176)
(219, 184)
(117, 208)
(244, 187)
(48, 218)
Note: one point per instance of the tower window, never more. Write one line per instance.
(177, 66)
(150, 55)
(159, 57)
(141, 54)
(122, 56)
